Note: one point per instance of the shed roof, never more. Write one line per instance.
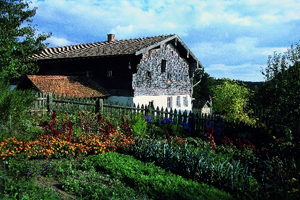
(68, 85)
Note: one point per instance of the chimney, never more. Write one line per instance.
(110, 37)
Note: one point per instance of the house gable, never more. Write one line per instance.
(151, 80)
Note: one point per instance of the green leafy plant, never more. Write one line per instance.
(13, 109)
(152, 180)
(139, 125)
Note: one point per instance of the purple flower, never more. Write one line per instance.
(185, 125)
(164, 121)
(148, 119)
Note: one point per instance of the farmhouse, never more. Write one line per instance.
(155, 71)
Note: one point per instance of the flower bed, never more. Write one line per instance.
(57, 147)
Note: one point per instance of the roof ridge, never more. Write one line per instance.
(105, 47)
(91, 43)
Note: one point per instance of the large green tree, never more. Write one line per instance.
(19, 39)
(280, 95)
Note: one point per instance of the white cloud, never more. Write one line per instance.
(218, 32)
(246, 71)
(55, 41)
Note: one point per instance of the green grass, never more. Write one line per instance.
(103, 176)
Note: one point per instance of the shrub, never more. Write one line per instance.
(13, 107)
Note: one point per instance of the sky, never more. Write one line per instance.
(231, 39)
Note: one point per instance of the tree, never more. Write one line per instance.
(232, 100)
(280, 95)
(203, 90)
(18, 39)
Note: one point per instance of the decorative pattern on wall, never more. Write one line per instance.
(150, 79)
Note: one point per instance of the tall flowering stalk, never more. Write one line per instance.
(210, 132)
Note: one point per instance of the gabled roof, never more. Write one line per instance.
(116, 47)
(111, 48)
(68, 85)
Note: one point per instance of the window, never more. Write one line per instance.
(109, 73)
(169, 102)
(185, 101)
(148, 74)
(151, 104)
(169, 77)
(177, 77)
(185, 78)
(163, 66)
(178, 104)
(89, 74)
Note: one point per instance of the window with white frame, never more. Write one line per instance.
(169, 102)
(178, 104)
(185, 101)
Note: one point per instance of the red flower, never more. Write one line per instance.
(168, 137)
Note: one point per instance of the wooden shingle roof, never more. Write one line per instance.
(68, 85)
(108, 48)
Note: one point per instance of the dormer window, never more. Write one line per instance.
(163, 66)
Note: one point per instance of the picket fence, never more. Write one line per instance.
(197, 121)
(47, 103)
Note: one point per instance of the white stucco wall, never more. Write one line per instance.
(161, 101)
(158, 101)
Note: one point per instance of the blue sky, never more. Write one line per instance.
(232, 39)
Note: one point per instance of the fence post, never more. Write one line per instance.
(192, 123)
(99, 105)
(50, 102)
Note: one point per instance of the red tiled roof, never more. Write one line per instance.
(71, 85)
(117, 47)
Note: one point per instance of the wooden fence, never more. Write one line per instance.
(49, 102)
(196, 120)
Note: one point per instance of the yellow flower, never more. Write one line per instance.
(295, 190)
(294, 179)
(274, 137)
